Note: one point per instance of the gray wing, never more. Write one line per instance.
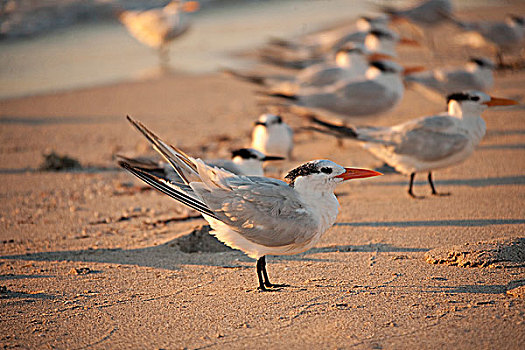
(459, 80)
(447, 81)
(429, 139)
(263, 210)
(320, 75)
(354, 37)
(357, 98)
(500, 34)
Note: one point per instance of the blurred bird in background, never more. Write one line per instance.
(158, 27)
(506, 36)
(477, 74)
(380, 90)
(271, 135)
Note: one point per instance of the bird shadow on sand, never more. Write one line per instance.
(168, 256)
(83, 170)
(480, 182)
(43, 120)
(434, 223)
(500, 132)
(503, 146)
(477, 288)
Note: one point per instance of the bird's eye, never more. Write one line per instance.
(475, 98)
(278, 120)
(326, 170)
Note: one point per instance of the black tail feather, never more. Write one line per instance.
(255, 79)
(341, 130)
(164, 187)
(281, 95)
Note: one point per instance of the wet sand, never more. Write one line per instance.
(92, 259)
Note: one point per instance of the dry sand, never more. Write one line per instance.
(92, 259)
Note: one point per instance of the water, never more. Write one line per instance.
(101, 53)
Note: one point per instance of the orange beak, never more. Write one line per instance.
(356, 173)
(413, 69)
(379, 56)
(191, 6)
(496, 101)
(408, 42)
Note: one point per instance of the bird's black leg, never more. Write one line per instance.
(264, 281)
(261, 262)
(410, 185)
(434, 192)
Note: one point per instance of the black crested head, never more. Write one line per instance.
(518, 19)
(244, 153)
(350, 48)
(383, 67)
(462, 96)
(482, 62)
(302, 170)
(381, 34)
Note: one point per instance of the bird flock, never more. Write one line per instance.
(349, 72)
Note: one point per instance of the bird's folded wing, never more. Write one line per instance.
(180, 192)
(428, 139)
(263, 210)
(459, 80)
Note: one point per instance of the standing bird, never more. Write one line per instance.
(349, 62)
(271, 135)
(158, 27)
(428, 143)
(378, 40)
(244, 161)
(477, 74)
(425, 14)
(379, 91)
(257, 215)
(507, 36)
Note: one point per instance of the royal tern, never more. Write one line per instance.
(244, 161)
(379, 91)
(325, 41)
(477, 74)
(350, 62)
(426, 13)
(257, 215)
(158, 27)
(507, 35)
(380, 41)
(271, 135)
(428, 143)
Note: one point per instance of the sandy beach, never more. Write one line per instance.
(91, 258)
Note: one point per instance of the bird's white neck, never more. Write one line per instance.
(354, 62)
(470, 116)
(384, 46)
(320, 199)
(362, 25)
